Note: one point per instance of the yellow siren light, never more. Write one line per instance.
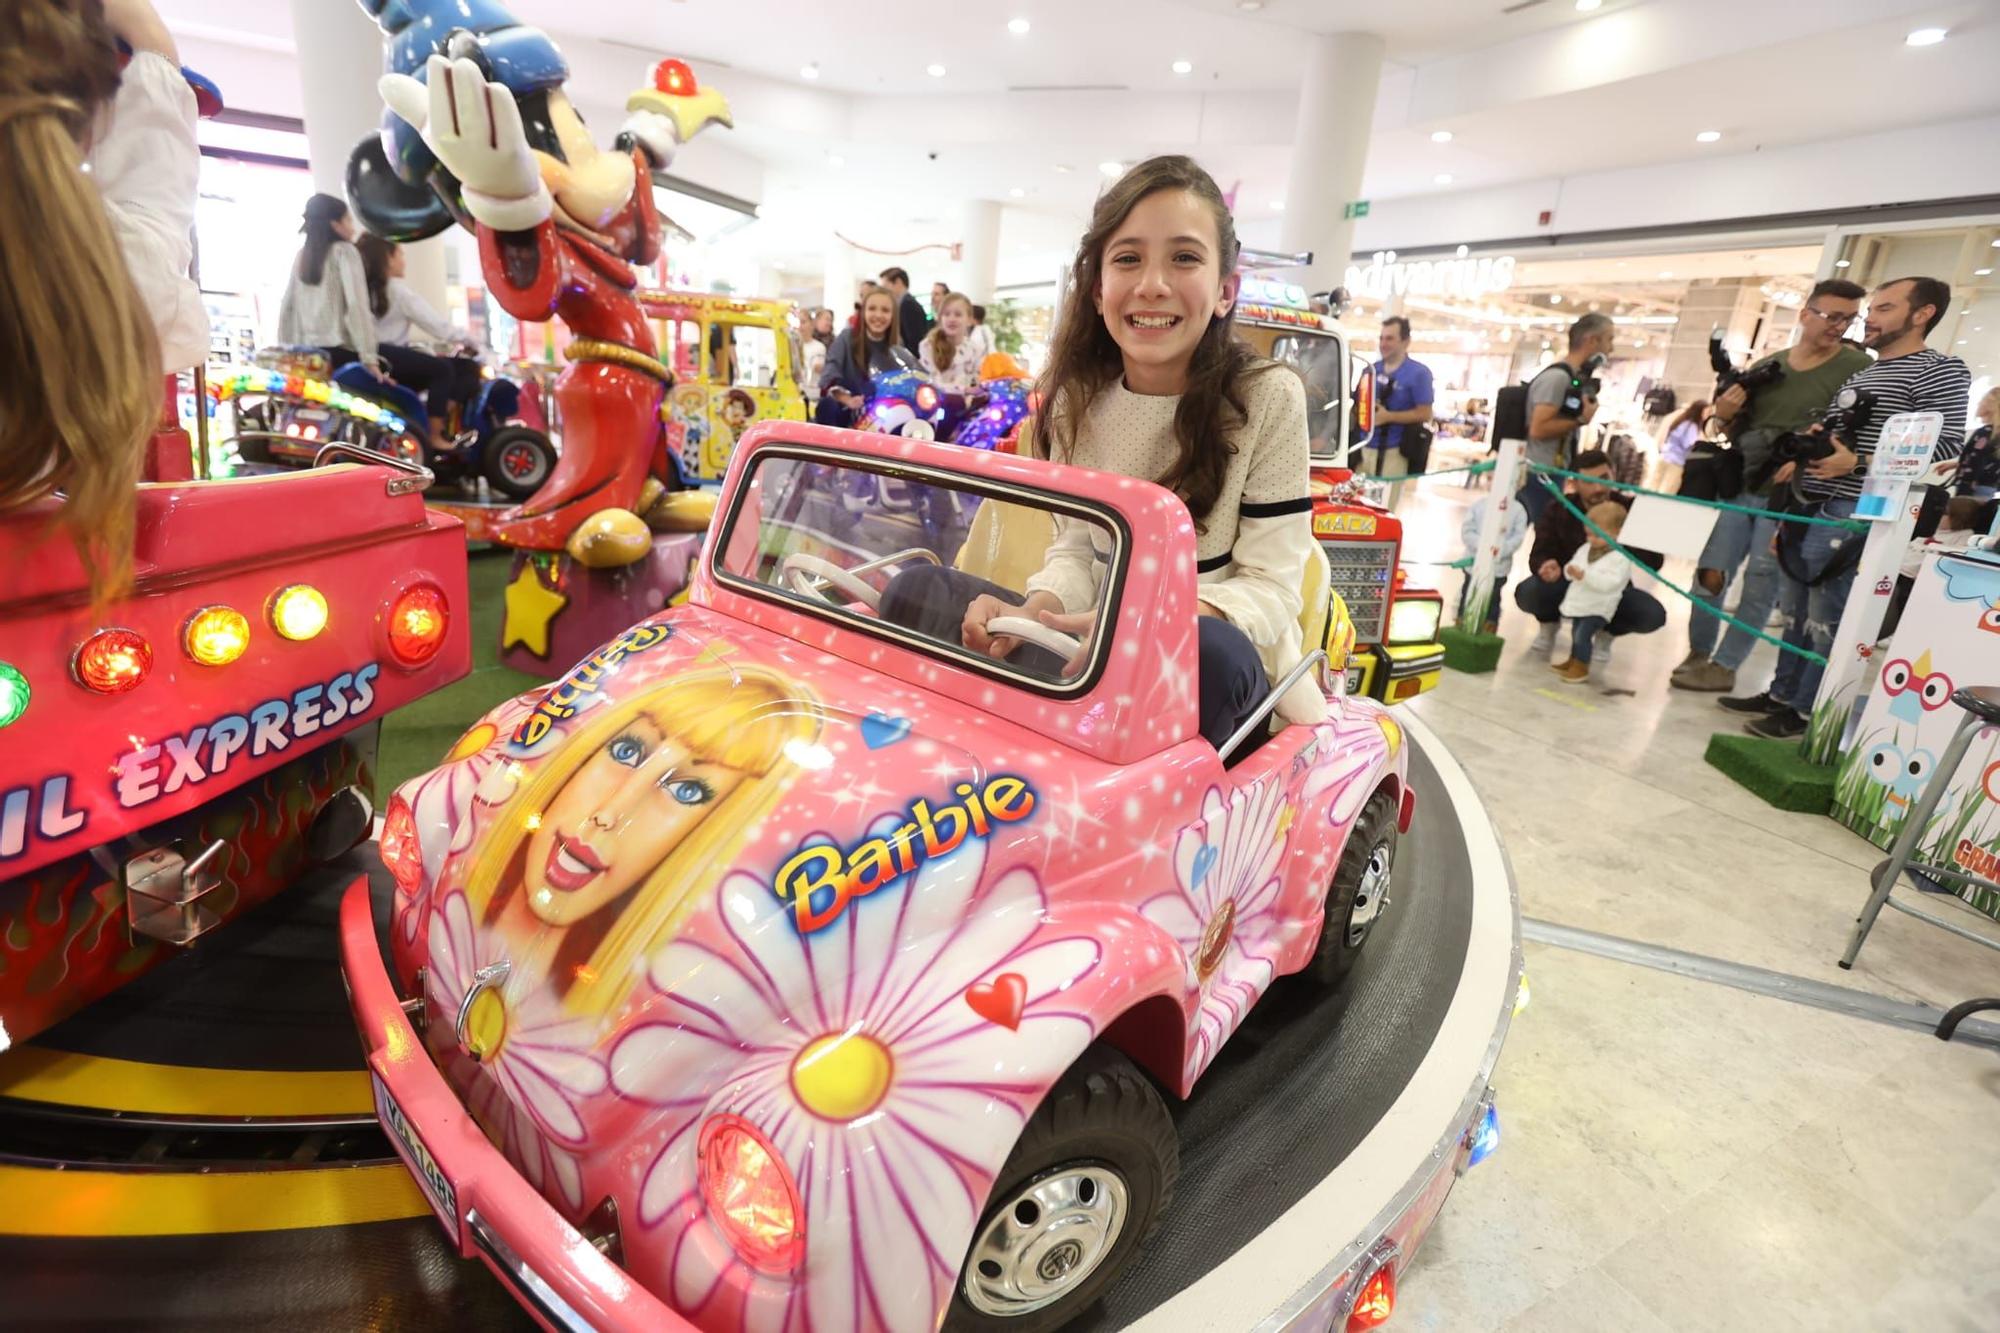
(299, 612)
(216, 635)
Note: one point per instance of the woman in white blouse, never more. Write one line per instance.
(326, 302)
(402, 317)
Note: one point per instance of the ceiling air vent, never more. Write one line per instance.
(1069, 88)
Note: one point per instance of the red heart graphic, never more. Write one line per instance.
(1000, 1000)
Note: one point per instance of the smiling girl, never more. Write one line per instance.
(947, 357)
(854, 358)
(1146, 379)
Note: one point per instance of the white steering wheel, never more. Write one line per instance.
(1035, 632)
(799, 568)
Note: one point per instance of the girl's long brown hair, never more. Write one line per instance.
(1085, 360)
(80, 378)
(943, 350)
(858, 352)
(375, 256)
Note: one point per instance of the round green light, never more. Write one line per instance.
(13, 694)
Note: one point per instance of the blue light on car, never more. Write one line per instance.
(1486, 1137)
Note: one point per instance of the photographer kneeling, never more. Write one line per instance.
(1785, 392)
(1558, 534)
(1817, 565)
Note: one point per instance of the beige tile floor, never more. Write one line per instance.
(1677, 1154)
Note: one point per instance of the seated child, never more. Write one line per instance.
(1597, 576)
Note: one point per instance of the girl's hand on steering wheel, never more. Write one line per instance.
(1082, 624)
(972, 633)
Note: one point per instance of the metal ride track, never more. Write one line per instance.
(199, 1150)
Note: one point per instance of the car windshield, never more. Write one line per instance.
(903, 552)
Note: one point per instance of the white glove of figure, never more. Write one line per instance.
(474, 128)
(655, 133)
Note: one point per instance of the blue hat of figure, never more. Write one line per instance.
(394, 182)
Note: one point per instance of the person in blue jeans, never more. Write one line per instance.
(1813, 369)
(1907, 378)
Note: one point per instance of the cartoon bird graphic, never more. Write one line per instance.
(1903, 773)
(1913, 689)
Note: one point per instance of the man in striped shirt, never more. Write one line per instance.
(1818, 568)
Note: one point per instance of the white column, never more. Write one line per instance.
(342, 107)
(1329, 150)
(979, 261)
(838, 287)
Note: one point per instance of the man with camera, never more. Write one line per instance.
(1786, 391)
(1403, 399)
(1562, 398)
(1558, 534)
(1828, 466)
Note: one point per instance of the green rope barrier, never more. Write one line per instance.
(1465, 563)
(1471, 469)
(1715, 611)
(1851, 525)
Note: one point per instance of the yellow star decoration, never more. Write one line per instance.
(1393, 733)
(1285, 817)
(531, 605)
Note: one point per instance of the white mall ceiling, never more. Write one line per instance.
(1528, 92)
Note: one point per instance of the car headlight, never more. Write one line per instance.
(1415, 620)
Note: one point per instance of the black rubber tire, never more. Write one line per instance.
(1337, 955)
(517, 437)
(1103, 1110)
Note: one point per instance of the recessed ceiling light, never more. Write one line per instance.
(1019, 27)
(1925, 37)
(1981, 272)
(1112, 168)
(1442, 178)
(1464, 250)
(1440, 136)
(1017, 192)
(935, 71)
(1708, 136)
(1996, 242)
(1666, 273)
(1585, 6)
(1555, 298)
(1249, 6)
(835, 160)
(1843, 263)
(1184, 67)
(1961, 342)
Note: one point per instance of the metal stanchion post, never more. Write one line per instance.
(1479, 588)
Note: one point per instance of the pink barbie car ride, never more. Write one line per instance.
(780, 967)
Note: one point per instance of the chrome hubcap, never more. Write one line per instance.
(1045, 1241)
(1373, 894)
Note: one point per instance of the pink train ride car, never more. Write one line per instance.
(780, 967)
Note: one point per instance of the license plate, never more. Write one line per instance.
(436, 1186)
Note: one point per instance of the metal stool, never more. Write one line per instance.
(1982, 709)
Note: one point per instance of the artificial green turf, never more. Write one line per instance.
(1472, 653)
(416, 737)
(1775, 771)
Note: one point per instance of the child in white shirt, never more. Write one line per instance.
(1598, 576)
(1513, 532)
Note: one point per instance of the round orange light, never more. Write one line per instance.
(418, 622)
(299, 612)
(1376, 1302)
(674, 77)
(216, 635)
(400, 849)
(750, 1195)
(112, 661)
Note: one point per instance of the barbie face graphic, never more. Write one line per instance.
(622, 813)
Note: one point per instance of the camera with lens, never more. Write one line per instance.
(1759, 376)
(1845, 419)
(1583, 386)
